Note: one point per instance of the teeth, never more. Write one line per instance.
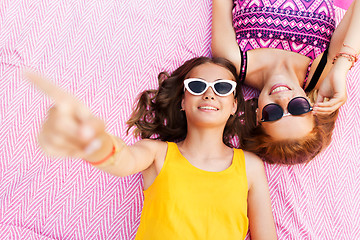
(279, 89)
(208, 108)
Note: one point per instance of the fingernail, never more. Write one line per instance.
(87, 132)
(93, 146)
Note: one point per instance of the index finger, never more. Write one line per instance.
(47, 87)
(327, 108)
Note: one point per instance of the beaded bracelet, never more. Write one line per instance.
(115, 149)
(353, 58)
(350, 57)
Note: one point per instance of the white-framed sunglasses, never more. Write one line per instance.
(222, 87)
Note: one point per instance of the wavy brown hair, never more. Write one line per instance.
(157, 114)
(289, 152)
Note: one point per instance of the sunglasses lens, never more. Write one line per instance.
(272, 112)
(298, 106)
(197, 87)
(223, 88)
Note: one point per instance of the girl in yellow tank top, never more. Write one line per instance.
(197, 185)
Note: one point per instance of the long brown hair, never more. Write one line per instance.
(254, 139)
(157, 114)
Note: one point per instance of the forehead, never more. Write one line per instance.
(210, 72)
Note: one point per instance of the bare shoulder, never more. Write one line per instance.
(153, 147)
(255, 170)
(150, 143)
(252, 161)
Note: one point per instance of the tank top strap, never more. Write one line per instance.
(243, 65)
(239, 158)
(307, 73)
(172, 152)
(239, 163)
(172, 156)
(318, 71)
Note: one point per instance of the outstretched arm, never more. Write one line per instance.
(71, 130)
(261, 220)
(223, 39)
(346, 39)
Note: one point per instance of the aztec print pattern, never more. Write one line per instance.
(304, 26)
(105, 53)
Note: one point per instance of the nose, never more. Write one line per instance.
(209, 94)
(283, 100)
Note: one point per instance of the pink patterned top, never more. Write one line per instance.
(303, 26)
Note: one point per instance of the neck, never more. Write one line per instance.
(292, 67)
(204, 142)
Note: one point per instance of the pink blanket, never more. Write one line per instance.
(106, 52)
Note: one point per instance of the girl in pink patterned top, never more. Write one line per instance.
(291, 52)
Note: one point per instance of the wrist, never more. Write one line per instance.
(99, 149)
(342, 64)
(348, 53)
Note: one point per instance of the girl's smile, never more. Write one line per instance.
(279, 88)
(208, 108)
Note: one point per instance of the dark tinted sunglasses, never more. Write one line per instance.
(297, 106)
(197, 86)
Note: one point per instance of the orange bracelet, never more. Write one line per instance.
(350, 57)
(110, 158)
(105, 158)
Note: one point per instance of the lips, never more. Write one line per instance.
(279, 88)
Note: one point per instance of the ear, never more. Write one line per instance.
(182, 103)
(234, 108)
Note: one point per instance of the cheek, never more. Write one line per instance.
(230, 105)
(188, 100)
(261, 102)
(258, 115)
(300, 91)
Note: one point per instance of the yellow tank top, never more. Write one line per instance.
(185, 202)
